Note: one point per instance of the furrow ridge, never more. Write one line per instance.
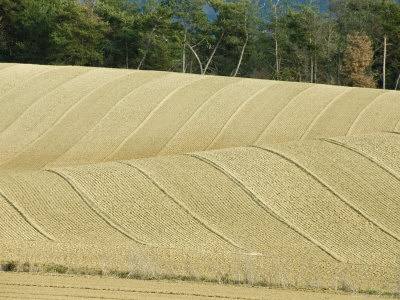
(332, 191)
(196, 112)
(265, 207)
(393, 132)
(26, 218)
(238, 109)
(356, 120)
(59, 120)
(104, 117)
(93, 207)
(26, 81)
(396, 126)
(363, 154)
(281, 111)
(150, 115)
(41, 97)
(182, 206)
(322, 112)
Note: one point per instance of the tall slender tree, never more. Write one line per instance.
(191, 16)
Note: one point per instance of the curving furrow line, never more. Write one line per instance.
(149, 117)
(92, 206)
(41, 97)
(257, 140)
(332, 191)
(28, 80)
(322, 112)
(196, 112)
(59, 120)
(26, 218)
(393, 132)
(357, 119)
(95, 126)
(235, 113)
(16, 78)
(397, 126)
(363, 154)
(265, 207)
(183, 206)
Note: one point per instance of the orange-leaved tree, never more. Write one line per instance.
(357, 60)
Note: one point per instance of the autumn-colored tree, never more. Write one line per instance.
(357, 60)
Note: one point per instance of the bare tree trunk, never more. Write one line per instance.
(311, 61)
(198, 59)
(397, 83)
(204, 70)
(184, 51)
(384, 64)
(277, 67)
(147, 47)
(142, 61)
(311, 69)
(277, 64)
(315, 69)
(126, 56)
(213, 53)
(241, 55)
(315, 62)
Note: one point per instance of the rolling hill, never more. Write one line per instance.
(61, 116)
(162, 174)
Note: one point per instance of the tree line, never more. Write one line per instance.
(346, 42)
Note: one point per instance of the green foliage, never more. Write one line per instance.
(236, 22)
(78, 35)
(276, 39)
(158, 44)
(26, 28)
(376, 19)
(122, 36)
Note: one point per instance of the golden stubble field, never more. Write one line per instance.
(28, 286)
(155, 175)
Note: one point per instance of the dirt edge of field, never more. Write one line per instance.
(13, 267)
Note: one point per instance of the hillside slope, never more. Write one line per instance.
(329, 201)
(60, 116)
(165, 175)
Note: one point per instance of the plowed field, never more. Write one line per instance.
(159, 175)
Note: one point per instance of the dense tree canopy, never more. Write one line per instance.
(275, 39)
